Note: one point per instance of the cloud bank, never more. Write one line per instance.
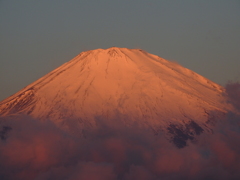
(31, 149)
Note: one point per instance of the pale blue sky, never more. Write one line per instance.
(38, 36)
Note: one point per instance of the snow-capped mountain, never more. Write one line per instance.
(130, 85)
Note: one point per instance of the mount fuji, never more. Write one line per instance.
(128, 85)
(121, 114)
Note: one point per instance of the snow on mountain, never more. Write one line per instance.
(128, 84)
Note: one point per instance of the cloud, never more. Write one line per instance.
(82, 170)
(40, 150)
(33, 147)
(233, 92)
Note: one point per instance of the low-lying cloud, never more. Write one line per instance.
(33, 149)
(233, 92)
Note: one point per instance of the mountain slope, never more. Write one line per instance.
(128, 84)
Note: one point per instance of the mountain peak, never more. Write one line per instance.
(114, 50)
(128, 84)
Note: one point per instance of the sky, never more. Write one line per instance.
(38, 36)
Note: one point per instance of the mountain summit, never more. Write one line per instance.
(130, 85)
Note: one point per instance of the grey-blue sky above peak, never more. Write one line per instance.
(38, 36)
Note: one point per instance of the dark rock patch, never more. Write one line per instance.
(180, 134)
